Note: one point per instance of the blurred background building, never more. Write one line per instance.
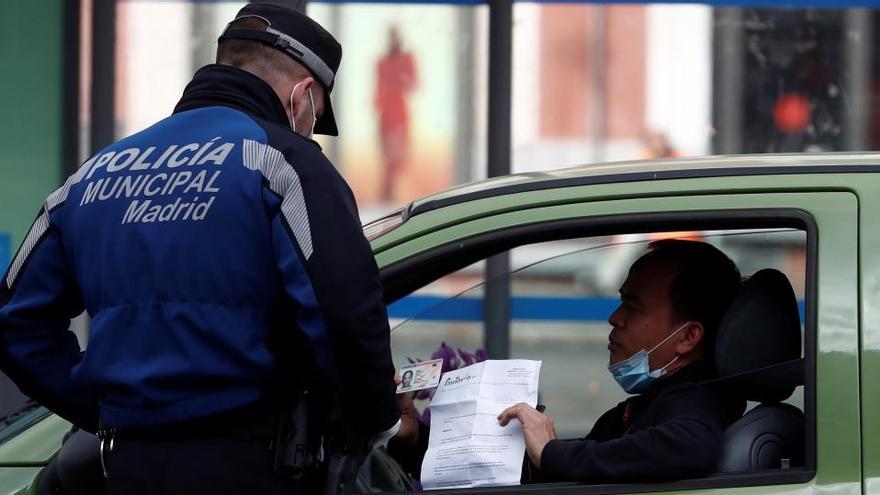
(589, 82)
(433, 94)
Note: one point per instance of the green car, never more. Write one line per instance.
(529, 266)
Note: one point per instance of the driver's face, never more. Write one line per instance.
(644, 316)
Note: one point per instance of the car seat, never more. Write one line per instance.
(758, 358)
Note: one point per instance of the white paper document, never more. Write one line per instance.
(467, 446)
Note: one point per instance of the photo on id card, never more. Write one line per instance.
(416, 376)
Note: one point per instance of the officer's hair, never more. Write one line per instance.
(703, 288)
(268, 63)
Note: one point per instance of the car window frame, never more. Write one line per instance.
(433, 263)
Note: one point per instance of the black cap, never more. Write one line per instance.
(305, 40)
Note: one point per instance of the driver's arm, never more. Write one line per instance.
(684, 440)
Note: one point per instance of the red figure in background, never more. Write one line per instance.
(395, 80)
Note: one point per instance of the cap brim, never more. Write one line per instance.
(327, 123)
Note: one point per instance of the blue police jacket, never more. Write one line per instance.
(192, 245)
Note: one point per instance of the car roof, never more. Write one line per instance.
(655, 169)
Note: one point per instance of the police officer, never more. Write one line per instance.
(219, 255)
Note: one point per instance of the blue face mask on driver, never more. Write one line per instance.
(634, 373)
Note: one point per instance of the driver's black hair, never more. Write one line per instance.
(706, 283)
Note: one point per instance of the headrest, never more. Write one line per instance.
(760, 328)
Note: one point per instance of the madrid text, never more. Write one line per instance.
(181, 182)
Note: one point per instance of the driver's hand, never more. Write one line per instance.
(409, 417)
(538, 429)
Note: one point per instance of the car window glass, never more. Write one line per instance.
(11, 400)
(562, 293)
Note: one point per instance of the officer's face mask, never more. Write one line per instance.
(314, 117)
(634, 374)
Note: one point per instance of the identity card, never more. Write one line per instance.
(416, 376)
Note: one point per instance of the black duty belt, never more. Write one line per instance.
(253, 421)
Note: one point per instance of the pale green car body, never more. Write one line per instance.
(837, 193)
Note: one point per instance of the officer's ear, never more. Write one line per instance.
(301, 94)
(690, 338)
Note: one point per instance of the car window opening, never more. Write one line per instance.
(561, 294)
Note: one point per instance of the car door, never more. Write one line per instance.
(869, 295)
(439, 244)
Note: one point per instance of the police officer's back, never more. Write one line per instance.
(221, 259)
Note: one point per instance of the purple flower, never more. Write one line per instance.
(466, 357)
(425, 393)
(450, 359)
(481, 355)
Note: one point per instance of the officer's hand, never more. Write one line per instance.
(409, 417)
(537, 428)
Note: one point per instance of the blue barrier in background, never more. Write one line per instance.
(5, 251)
(533, 308)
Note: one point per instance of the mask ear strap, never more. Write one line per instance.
(292, 119)
(668, 337)
(670, 362)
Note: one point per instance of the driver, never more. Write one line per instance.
(661, 348)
